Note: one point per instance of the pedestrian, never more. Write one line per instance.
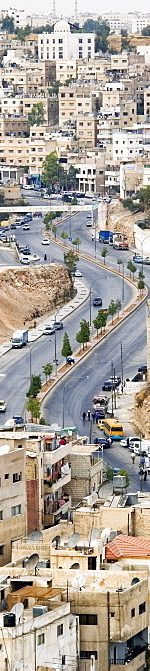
(145, 475)
(127, 442)
(133, 457)
(83, 415)
(89, 415)
(93, 417)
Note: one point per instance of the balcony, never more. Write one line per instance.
(130, 660)
(52, 485)
(57, 509)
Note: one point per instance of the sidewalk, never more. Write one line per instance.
(81, 296)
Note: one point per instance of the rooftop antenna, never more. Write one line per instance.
(54, 10)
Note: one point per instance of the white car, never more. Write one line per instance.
(2, 406)
(45, 241)
(26, 227)
(45, 195)
(78, 273)
(25, 260)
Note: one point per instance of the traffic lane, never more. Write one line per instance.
(120, 457)
(15, 364)
(88, 379)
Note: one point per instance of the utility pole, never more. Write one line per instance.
(121, 354)
(112, 391)
(90, 306)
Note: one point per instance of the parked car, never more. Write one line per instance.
(97, 302)
(19, 421)
(26, 227)
(104, 442)
(77, 273)
(142, 369)
(137, 258)
(2, 406)
(58, 325)
(89, 216)
(111, 384)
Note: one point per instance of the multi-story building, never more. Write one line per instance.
(90, 173)
(86, 131)
(127, 144)
(62, 44)
(66, 69)
(75, 100)
(12, 497)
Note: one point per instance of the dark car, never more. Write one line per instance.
(111, 384)
(70, 360)
(97, 302)
(59, 326)
(13, 227)
(19, 421)
(142, 369)
(100, 413)
(25, 250)
(137, 377)
(103, 442)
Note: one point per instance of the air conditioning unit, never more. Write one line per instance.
(39, 610)
(9, 620)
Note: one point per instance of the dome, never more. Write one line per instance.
(62, 27)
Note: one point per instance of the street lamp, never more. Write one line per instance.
(55, 343)
(123, 286)
(90, 320)
(77, 379)
(94, 226)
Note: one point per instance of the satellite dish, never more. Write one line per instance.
(73, 540)
(4, 449)
(10, 423)
(105, 535)
(78, 582)
(96, 533)
(35, 536)
(32, 562)
(17, 609)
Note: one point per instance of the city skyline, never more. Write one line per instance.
(64, 7)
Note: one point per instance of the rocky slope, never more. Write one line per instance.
(142, 411)
(29, 293)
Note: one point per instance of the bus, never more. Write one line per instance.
(113, 429)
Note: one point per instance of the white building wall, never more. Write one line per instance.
(127, 145)
(63, 45)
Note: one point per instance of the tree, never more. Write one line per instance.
(141, 286)
(141, 275)
(119, 262)
(118, 306)
(8, 24)
(76, 242)
(100, 321)
(70, 260)
(112, 309)
(132, 268)
(83, 336)
(35, 386)
(124, 472)
(101, 29)
(66, 347)
(23, 32)
(52, 172)
(54, 230)
(64, 235)
(143, 196)
(146, 31)
(33, 406)
(36, 116)
(104, 253)
(47, 370)
(71, 178)
(74, 201)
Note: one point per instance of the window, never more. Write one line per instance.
(87, 619)
(132, 612)
(6, 476)
(1, 514)
(80, 41)
(60, 630)
(112, 614)
(1, 550)
(87, 654)
(63, 661)
(89, 40)
(142, 608)
(16, 510)
(17, 477)
(60, 41)
(41, 639)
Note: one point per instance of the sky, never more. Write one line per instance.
(65, 7)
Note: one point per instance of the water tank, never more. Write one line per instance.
(39, 610)
(9, 620)
(43, 563)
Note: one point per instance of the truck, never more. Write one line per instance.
(120, 241)
(106, 237)
(19, 339)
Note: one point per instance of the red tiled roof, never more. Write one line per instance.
(127, 546)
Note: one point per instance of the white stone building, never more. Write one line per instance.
(127, 144)
(62, 44)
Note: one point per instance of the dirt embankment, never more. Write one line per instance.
(142, 411)
(122, 220)
(30, 293)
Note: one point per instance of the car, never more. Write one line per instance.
(2, 406)
(58, 326)
(27, 217)
(45, 195)
(104, 442)
(142, 369)
(89, 216)
(77, 273)
(25, 261)
(12, 227)
(19, 421)
(111, 384)
(137, 377)
(137, 258)
(89, 224)
(146, 261)
(97, 302)
(26, 251)
(49, 330)
(45, 241)
(26, 227)
(100, 424)
(70, 360)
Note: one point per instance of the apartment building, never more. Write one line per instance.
(12, 498)
(77, 99)
(131, 177)
(86, 472)
(90, 173)
(62, 44)
(120, 62)
(127, 144)
(86, 131)
(89, 69)
(66, 69)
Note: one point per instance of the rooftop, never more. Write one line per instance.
(128, 546)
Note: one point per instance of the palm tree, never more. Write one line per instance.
(104, 253)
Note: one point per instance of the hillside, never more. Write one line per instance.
(30, 292)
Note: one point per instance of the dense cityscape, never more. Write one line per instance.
(74, 340)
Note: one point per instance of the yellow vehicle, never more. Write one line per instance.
(113, 429)
(100, 424)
